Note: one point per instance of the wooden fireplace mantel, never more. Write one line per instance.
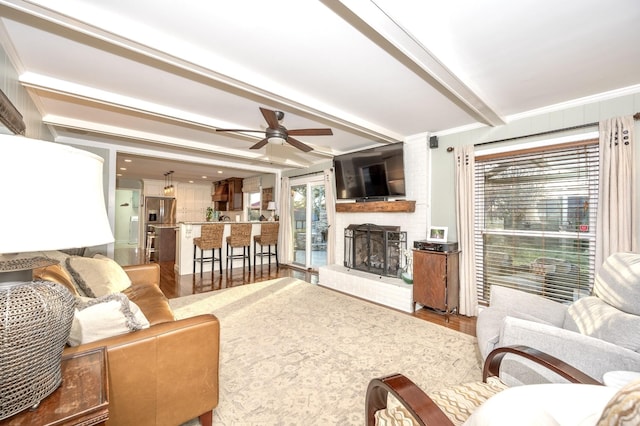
(399, 206)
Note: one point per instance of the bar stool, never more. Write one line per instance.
(268, 237)
(210, 239)
(240, 237)
(150, 245)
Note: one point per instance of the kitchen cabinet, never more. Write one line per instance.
(153, 188)
(227, 195)
(436, 280)
(193, 202)
(235, 194)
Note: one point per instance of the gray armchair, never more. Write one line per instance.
(595, 334)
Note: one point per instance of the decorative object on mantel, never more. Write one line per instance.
(398, 206)
(10, 116)
(59, 205)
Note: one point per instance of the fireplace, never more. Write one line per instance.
(374, 249)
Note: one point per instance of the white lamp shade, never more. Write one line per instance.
(271, 205)
(52, 197)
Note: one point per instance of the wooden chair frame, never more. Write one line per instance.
(426, 412)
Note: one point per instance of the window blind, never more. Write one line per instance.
(252, 184)
(536, 220)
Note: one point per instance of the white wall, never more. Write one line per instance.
(442, 173)
(21, 100)
(416, 169)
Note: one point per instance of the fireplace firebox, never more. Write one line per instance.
(374, 249)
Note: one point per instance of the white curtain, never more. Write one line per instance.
(286, 251)
(465, 213)
(616, 198)
(330, 200)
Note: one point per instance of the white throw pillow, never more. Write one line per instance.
(104, 317)
(544, 404)
(98, 276)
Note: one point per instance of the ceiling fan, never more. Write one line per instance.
(277, 131)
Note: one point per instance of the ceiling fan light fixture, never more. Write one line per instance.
(276, 140)
(276, 136)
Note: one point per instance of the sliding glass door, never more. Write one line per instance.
(309, 222)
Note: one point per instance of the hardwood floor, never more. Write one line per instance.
(174, 285)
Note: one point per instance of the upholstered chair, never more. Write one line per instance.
(396, 400)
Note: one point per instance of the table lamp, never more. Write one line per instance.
(52, 199)
(272, 208)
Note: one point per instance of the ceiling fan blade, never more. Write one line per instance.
(239, 130)
(310, 132)
(270, 117)
(260, 144)
(298, 144)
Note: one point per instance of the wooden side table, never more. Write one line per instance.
(81, 399)
(435, 280)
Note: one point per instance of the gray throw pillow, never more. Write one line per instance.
(617, 282)
(593, 317)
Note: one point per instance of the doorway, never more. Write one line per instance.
(127, 220)
(309, 222)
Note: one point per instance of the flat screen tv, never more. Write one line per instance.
(371, 174)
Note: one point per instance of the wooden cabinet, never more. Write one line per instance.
(235, 194)
(227, 195)
(436, 280)
(81, 399)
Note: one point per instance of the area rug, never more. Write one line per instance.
(294, 353)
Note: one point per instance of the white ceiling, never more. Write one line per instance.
(161, 76)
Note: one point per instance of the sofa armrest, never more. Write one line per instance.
(143, 274)
(165, 374)
(512, 300)
(590, 355)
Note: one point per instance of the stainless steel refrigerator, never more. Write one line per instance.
(159, 211)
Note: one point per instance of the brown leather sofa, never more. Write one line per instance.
(166, 374)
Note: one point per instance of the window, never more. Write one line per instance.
(535, 220)
(253, 209)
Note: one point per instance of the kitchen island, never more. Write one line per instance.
(187, 231)
(165, 242)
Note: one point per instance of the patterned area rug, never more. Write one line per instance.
(294, 353)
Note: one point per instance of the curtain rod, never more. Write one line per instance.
(636, 116)
(310, 173)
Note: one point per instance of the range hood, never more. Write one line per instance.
(221, 193)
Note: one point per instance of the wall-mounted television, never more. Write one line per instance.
(371, 174)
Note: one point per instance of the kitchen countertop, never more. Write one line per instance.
(163, 225)
(218, 221)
